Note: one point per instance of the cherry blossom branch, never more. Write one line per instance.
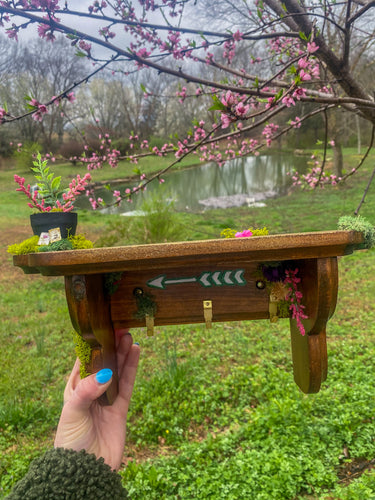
(157, 175)
(233, 134)
(142, 61)
(5, 117)
(170, 27)
(294, 298)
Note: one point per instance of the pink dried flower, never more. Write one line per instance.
(294, 297)
(244, 234)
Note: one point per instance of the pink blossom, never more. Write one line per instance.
(182, 94)
(45, 31)
(294, 297)
(13, 32)
(303, 63)
(244, 234)
(241, 109)
(42, 110)
(143, 53)
(2, 114)
(228, 100)
(199, 134)
(85, 46)
(312, 47)
(106, 33)
(296, 123)
(237, 36)
(45, 4)
(298, 93)
(288, 101)
(315, 71)
(304, 76)
(225, 120)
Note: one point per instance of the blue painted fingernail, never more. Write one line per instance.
(136, 343)
(103, 376)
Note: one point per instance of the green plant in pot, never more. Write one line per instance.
(53, 203)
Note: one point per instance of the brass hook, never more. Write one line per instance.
(207, 312)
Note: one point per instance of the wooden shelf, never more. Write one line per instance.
(142, 257)
(199, 281)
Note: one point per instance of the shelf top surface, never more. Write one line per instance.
(166, 255)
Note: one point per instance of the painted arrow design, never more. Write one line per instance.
(206, 279)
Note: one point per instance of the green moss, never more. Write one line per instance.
(231, 233)
(146, 305)
(56, 246)
(83, 352)
(259, 232)
(79, 241)
(361, 224)
(31, 245)
(111, 282)
(27, 246)
(283, 309)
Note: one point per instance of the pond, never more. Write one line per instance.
(242, 181)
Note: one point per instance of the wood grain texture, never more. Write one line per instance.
(215, 252)
(309, 353)
(90, 315)
(180, 303)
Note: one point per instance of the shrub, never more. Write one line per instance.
(122, 145)
(71, 148)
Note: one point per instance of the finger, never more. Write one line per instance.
(123, 347)
(73, 380)
(127, 378)
(119, 334)
(90, 388)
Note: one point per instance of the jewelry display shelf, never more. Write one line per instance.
(198, 282)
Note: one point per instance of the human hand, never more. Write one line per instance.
(84, 423)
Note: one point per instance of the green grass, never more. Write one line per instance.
(215, 414)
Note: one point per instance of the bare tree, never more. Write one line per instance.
(40, 72)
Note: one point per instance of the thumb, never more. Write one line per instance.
(91, 388)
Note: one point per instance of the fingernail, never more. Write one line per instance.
(103, 376)
(136, 343)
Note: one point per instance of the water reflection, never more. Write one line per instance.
(238, 181)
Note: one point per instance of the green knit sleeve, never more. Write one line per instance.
(66, 475)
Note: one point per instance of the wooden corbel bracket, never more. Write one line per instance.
(319, 286)
(90, 315)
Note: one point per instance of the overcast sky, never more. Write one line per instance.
(90, 26)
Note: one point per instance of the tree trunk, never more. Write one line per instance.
(337, 158)
(358, 134)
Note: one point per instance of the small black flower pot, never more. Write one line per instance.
(44, 221)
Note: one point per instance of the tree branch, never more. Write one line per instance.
(325, 148)
(345, 57)
(365, 8)
(365, 193)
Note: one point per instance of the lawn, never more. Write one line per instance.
(215, 413)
